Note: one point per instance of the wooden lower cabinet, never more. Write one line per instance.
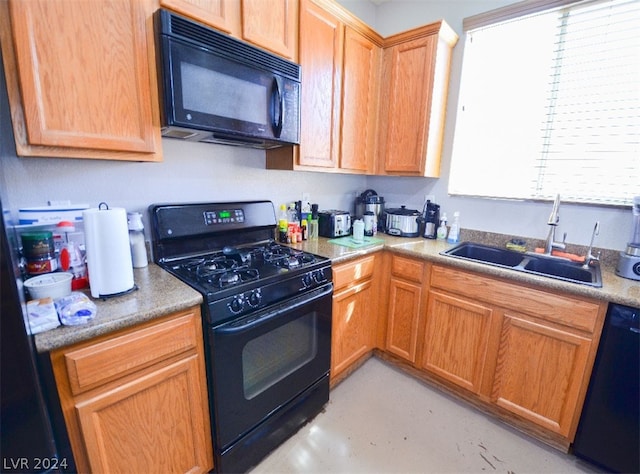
(525, 351)
(136, 401)
(405, 306)
(353, 333)
(456, 339)
(540, 371)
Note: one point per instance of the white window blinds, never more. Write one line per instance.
(550, 103)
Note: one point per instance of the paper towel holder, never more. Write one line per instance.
(122, 293)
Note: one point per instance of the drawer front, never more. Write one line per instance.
(566, 310)
(102, 362)
(349, 273)
(407, 269)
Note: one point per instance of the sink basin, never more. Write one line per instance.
(552, 267)
(566, 271)
(486, 254)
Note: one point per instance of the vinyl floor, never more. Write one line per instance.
(381, 420)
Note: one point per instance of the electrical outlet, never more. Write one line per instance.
(429, 197)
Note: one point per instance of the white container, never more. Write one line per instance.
(358, 231)
(49, 285)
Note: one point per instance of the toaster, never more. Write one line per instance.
(334, 223)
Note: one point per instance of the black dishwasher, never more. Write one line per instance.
(609, 429)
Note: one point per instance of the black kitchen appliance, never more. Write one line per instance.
(31, 441)
(218, 89)
(334, 223)
(609, 430)
(431, 218)
(267, 320)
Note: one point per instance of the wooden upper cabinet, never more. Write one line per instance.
(321, 40)
(79, 78)
(359, 102)
(272, 25)
(224, 15)
(268, 24)
(413, 102)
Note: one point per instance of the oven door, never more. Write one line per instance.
(264, 360)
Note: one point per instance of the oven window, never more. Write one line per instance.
(272, 356)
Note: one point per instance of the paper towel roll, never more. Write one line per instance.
(108, 251)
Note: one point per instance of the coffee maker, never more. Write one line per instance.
(629, 262)
(431, 218)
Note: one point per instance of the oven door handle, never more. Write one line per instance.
(253, 320)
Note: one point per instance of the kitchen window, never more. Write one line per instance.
(550, 103)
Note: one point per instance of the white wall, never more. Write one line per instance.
(204, 172)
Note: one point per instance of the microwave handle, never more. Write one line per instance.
(277, 107)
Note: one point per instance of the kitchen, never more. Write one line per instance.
(203, 170)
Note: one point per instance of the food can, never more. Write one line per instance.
(37, 245)
(42, 265)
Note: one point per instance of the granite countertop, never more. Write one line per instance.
(614, 288)
(159, 293)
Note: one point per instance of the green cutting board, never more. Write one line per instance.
(349, 242)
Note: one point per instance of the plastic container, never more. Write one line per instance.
(454, 231)
(50, 285)
(37, 245)
(358, 231)
(442, 229)
(136, 240)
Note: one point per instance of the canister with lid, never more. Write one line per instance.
(39, 252)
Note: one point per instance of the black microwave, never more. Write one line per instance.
(218, 89)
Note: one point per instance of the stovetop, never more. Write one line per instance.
(235, 268)
(227, 252)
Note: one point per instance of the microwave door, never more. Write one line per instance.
(211, 92)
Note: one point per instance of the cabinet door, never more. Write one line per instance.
(152, 424)
(84, 74)
(223, 15)
(539, 372)
(271, 25)
(359, 102)
(409, 66)
(352, 333)
(321, 40)
(456, 339)
(403, 317)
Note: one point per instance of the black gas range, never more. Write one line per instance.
(267, 321)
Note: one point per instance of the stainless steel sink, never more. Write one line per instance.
(552, 267)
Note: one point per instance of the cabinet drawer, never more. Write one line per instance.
(407, 269)
(350, 273)
(98, 363)
(566, 310)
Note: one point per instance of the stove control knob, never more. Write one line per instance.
(237, 304)
(319, 277)
(307, 280)
(255, 298)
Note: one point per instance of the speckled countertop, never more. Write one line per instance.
(159, 293)
(614, 288)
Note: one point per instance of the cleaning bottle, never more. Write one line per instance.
(454, 232)
(313, 223)
(442, 230)
(283, 224)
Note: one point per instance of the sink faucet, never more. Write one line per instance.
(554, 220)
(589, 257)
